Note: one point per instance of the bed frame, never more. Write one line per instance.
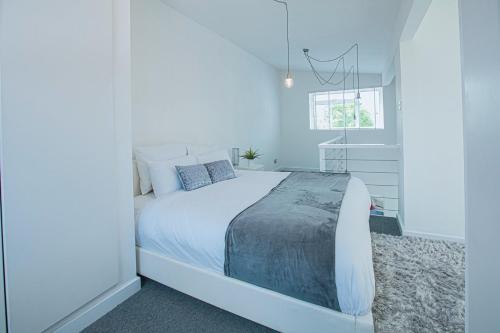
(266, 307)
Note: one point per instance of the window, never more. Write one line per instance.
(326, 109)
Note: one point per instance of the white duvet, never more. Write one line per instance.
(191, 227)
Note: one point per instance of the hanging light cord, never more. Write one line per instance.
(287, 32)
(345, 116)
(338, 59)
(354, 70)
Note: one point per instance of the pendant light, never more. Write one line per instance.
(357, 104)
(289, 79)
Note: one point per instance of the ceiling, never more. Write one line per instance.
(326, 27)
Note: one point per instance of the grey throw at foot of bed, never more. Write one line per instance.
(286, 241)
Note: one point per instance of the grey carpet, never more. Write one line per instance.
(419, 289)
(159, 309)
(420, 285)
(385, 225)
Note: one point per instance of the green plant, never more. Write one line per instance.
(251, 154)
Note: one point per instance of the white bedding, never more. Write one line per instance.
(191, 227)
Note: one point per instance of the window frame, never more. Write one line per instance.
(380, 114)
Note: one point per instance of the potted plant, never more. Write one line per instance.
(251, 155)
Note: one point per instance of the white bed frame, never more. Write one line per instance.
(266, 307)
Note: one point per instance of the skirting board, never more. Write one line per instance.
(82, 318)
(271, 309)
(427, 235)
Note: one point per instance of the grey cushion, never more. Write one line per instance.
(193, 176)
(220, 170)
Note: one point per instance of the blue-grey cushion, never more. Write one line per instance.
(220, 170)
(193, 176)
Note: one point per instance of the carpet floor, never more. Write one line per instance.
(420, 285)
(385, 225)
(419, 288)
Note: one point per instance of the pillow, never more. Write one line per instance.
(164, 177)
(220, 171)
(193, 176)
(154, 154)
(144, 179)
(213, 156)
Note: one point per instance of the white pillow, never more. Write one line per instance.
(164, 176)
(213, 156)
(146, 154)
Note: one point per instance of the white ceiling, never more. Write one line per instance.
(326, 27)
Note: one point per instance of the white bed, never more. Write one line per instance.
(186, 230)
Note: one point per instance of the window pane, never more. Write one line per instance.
(367, 109)
(322, 115)
(312, 112)
(340, 103)
(336, 109)
(379, 103)
(323, 119)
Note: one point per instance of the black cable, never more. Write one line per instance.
(341, 57)
(345, 117)
(337, 58)
(357, 66)
(287, 32)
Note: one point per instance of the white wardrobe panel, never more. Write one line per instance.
(59, 162)
(480, 42)
(3, 318)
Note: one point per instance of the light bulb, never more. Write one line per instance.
(357, 105)
(289, 81)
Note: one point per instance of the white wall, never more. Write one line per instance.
(66, 148)
(191, 85)
(299, 144)
(480, 22)
(432, 124)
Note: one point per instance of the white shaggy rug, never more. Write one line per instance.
(420, 285)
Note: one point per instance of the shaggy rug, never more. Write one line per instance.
(420, 285)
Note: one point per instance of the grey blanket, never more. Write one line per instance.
(286, 241)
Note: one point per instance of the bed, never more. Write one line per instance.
(181, 243)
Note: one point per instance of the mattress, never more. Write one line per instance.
(191, 227)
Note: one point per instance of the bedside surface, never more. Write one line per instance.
(253, 166)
